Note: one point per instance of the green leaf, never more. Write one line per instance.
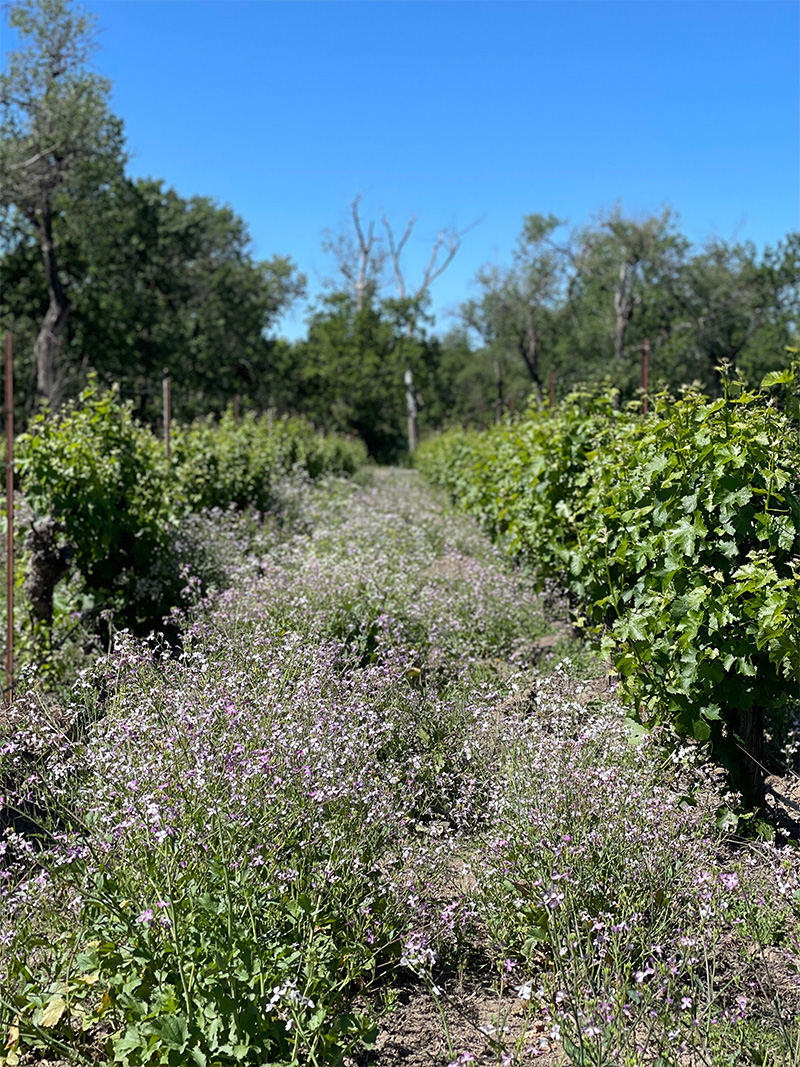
(172, 1029)
(745, 667)
(711, 712)
(637, 628)
(682, 537)
(777, 377)
(636, 732)
(701, 729)
(726, 820)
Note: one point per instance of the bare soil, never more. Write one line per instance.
(470, 1021)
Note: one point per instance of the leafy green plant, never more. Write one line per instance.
(103, 477)
(119, 502)
(220, 974)
(238, 462)
(678, 534)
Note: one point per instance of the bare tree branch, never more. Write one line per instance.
(364, 252)
(452, 239)
(33, 159)
(396, 252)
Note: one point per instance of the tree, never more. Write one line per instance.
(364, 259)
(516, 311)
(363, 263)
(347, 375)
(623, 271)
(158, 282)
(731, 308)
(583, 307)
(360, 261)
(57, 136)
(478, 381)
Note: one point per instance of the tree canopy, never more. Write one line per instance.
(57, 137)
(125, 278)
(581, 306)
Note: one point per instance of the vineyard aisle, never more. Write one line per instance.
(382, 809)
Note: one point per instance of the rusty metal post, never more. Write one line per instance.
(9, 519)
(552, 390)
(167, 388)
(645, 373)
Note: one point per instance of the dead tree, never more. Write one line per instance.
(447, 241)
(362, 258)
(361, 262)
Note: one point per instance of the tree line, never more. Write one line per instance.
(123, 277)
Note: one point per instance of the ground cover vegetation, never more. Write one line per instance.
(123, 277)
(357, 786)
(677, 534)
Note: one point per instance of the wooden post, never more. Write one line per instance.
(167, 388)
(552, 390)
(483, 414)
(645, 373)
(9, 519)
(236, 403)
(498, 377)
(411, 407)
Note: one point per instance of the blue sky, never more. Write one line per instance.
(458, 111)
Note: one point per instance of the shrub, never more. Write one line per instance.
(104, 479)
(219, 464)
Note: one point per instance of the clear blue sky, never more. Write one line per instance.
(455, 111)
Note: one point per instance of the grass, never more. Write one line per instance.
(356, 773)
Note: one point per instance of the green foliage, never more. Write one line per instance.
(106, 480)
(57, 137)
(579, 304)
(222, 974)
(219, 464)
(270, 819)
(678, 534)
(348, 374)
(516, 313)
(56, 128)
(155, 281)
